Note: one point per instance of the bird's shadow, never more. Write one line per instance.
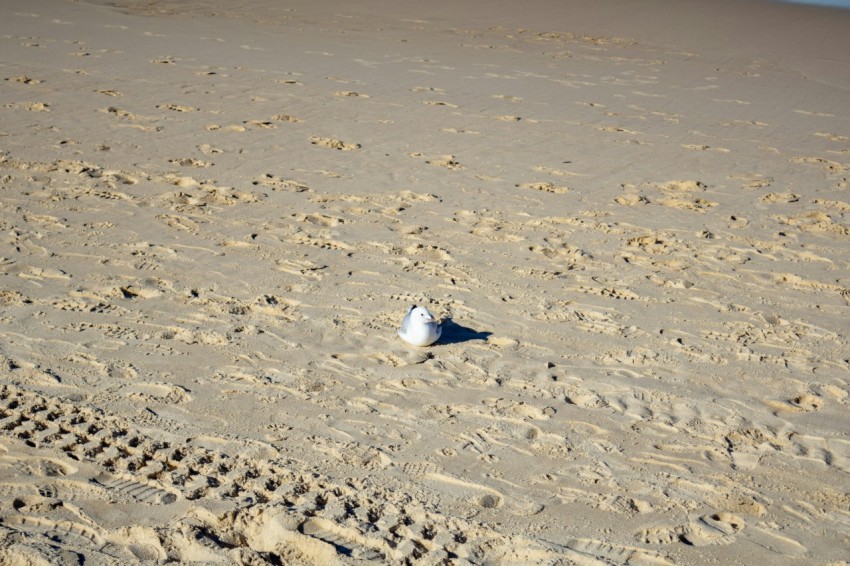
(454, 333)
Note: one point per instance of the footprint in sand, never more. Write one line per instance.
(815, 114)
(230, 128)
(23, 79)
(350, 94)
(446, 161)
(279, 184)
(439, 103)
(190, 162)
(753, 180)
(545, 187)
(717, 528)
(333, 143)
(632, 199)
(177, 108)
(264, 124)
(804, 403)
(286, 118)
(31, 106)
(829, 165)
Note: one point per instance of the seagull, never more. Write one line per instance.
(419, 327)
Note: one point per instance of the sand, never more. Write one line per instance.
(632, 218)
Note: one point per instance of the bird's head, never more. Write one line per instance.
(421, 315)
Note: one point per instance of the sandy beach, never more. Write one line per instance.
(633, 219)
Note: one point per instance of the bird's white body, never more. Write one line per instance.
(419, 327)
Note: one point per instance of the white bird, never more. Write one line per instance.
(419, 327)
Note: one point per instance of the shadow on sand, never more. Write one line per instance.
(454, 333)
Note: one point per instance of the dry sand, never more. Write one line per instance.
(633, 218)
